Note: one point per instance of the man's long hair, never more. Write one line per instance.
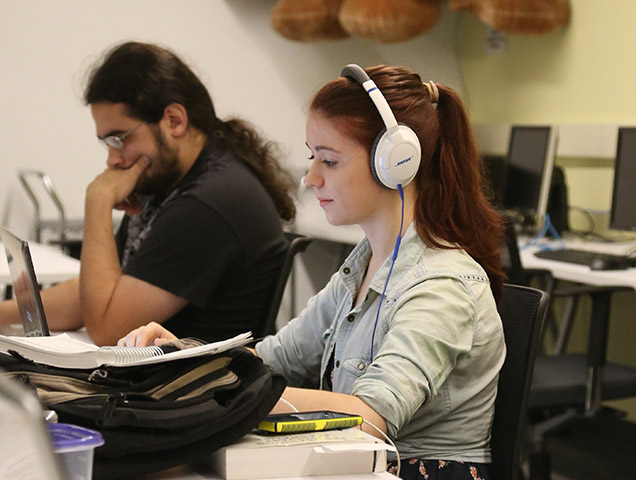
(147, 78)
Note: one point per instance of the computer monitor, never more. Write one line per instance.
(623, 212)
(531, 154)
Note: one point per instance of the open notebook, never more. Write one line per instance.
(66, 352)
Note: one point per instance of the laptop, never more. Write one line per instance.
(25, 285)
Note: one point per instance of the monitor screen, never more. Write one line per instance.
(531, 155)
(623, 213)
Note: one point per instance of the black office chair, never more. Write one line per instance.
(69, 233)
(297, 244)
(522, 311)
(567, 386)
(574, 383)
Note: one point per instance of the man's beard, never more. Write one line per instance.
(166, 166)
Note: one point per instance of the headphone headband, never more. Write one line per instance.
(357, 73)
(395, 154)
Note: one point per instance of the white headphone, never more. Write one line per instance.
(396, 152)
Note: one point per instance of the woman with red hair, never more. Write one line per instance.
(406, 333)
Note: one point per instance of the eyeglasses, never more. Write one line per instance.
(117, 141)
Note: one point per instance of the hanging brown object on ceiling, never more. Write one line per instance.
(308, 20)
(518, 16)
(389, 21)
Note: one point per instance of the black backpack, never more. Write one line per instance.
(157, 416)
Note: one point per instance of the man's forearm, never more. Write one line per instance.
(9, 312)
(61, 307)
(100, 270)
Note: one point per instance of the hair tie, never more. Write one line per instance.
(433, 91)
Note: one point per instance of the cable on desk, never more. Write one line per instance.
(289, 404)
(590, 221)
(547, 227)
(386, 437)
(631, 252)
(591, 234)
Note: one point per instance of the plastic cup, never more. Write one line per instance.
(74, 447)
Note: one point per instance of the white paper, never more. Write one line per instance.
(207, 349)
(66, 352)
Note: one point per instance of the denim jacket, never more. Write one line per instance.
(437, 349)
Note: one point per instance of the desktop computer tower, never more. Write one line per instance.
(558, 201)
(496, 167)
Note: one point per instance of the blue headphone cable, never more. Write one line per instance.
(395, 254)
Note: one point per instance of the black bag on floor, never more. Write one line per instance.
(157, 416)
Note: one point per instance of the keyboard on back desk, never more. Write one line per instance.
(594, 260)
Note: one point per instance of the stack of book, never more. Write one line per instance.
(330, 452)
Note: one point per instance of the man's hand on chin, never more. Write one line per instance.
(130, 205)
(114, 187)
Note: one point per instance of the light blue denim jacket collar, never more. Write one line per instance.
(354, 267)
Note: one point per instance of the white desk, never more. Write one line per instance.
(185, 473)
(51, 265)
(584, 275)
(581, 273)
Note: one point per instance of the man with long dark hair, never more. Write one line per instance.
(201, 242)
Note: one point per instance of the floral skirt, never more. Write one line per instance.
(415, 469)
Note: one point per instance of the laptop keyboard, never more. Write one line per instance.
(586, 257)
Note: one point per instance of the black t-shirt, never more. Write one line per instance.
(218, 243)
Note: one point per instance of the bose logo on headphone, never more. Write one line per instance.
(396, 145)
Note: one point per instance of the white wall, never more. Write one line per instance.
(46, 48)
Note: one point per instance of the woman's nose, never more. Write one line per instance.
(313, 177)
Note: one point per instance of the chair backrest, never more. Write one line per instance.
(47, 184)
(510, 258)
(297, 243)
(522, 311)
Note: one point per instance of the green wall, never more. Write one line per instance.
(583, 73)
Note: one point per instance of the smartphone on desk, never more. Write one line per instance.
(308, 421)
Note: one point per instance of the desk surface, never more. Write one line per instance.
(185, 473)
(582, 273)
(51, 265)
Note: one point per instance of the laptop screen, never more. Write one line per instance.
(25, 285)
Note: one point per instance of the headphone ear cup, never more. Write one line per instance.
(394, 164)
(374, 159)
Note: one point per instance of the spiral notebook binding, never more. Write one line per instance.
(124, 355)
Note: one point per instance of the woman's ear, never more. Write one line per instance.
(175, 120)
